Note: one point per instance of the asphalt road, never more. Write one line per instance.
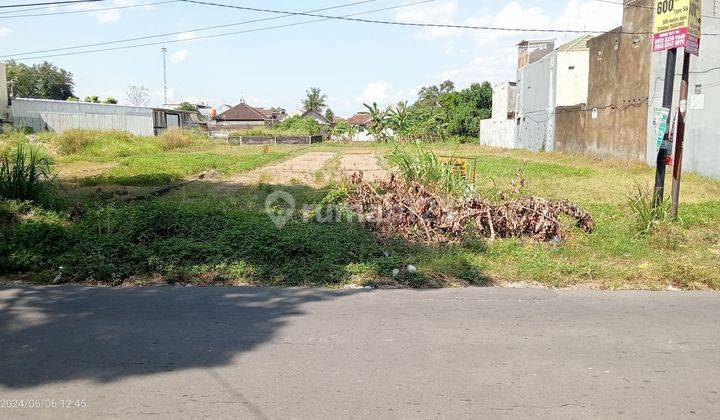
(178, 352)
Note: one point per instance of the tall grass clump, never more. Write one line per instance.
(179, 139)
(647, 216)
(420, 164)
(25, 175)
(79, 140)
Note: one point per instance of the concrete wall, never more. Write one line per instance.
(702, 137)
(536, 104)
(498, 133)
(4, 110)
(60, 116)
(573, 70)
(503, 100)
(619, 75)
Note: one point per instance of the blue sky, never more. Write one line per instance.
(351, 62)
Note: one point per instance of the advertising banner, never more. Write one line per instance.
(677, 25)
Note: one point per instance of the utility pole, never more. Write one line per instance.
(670, 61)
(677, 168)
(164, 53)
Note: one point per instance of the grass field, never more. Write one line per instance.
(215, 230)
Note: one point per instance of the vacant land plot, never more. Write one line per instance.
(216, 231)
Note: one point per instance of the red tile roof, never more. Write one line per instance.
(242, 112)
(361, 118)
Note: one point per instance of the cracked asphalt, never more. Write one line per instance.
(177, 352)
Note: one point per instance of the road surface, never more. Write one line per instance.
(177, 352)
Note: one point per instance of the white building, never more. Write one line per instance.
(499, 131)
(548, 78)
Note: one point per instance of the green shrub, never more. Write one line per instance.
(293, 126)
(296, 124)
(25, 175)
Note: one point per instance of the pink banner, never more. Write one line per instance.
(676, 38)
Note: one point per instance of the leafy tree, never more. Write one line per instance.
(330, 115)
(137, 95)
(187, 106)
(92, 99)
(41, 81)
(430, 95)
(442, 112)
(344, 130)
(314, 100)
(111, 100)
(73, 99)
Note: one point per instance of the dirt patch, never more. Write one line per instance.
(367, 163)
(73, 172)
(304, 169)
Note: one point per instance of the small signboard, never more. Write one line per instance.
(660, 121)
(677, 25)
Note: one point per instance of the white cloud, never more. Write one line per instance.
(493, 53)
(382, 93)
(4, 31)
(375, 92)
(185, 36)
(179, 56)
(112, 15)
(436, 12)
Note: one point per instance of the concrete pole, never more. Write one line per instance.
(164, 53)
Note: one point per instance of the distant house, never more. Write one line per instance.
(315, 115)
(361, 122)
(244, 116)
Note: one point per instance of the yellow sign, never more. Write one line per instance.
(677, 25)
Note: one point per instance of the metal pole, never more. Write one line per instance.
(663, 152)
(164, 52)
(677, 168)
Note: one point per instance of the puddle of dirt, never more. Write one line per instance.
(367, 163)
(300, 169)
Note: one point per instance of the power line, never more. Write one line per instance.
(166, 34)
(413, 24)
(49, 3)
(165, 42)
(88, 10)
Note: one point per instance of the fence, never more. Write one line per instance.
(266, 140)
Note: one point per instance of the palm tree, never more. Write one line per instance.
(314, 100)
(378, 121)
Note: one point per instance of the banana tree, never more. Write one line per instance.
(378, 122)
(399, 120)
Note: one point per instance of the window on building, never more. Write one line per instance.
(571, 68)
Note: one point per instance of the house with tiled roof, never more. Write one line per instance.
(361, 122)
(244, 116)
